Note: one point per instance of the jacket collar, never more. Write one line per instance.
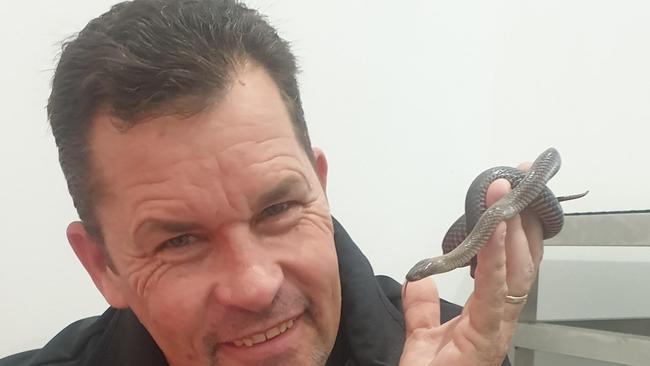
(371, 331)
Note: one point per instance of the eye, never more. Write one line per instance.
(275, 210)
(177, 242)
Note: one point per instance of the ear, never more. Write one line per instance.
(321, 167)
(93, 257)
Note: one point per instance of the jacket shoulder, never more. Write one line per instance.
(19, 359)
(67, 348)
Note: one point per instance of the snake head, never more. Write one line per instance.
(426, 268)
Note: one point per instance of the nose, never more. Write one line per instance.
(250, 277)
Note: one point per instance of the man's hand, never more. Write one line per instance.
(480, 336)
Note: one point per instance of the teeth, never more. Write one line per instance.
(272, 332)
(263, 337)
(259, 338)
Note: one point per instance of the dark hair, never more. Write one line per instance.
(152, 58)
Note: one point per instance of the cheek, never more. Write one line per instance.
(311, 262)
(175, 306)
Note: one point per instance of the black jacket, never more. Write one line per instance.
(371, 331)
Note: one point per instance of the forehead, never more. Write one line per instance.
(250, 124)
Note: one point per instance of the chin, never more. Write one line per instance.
(314, 359)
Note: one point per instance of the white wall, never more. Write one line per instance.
(410, 100)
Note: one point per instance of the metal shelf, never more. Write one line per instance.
(615, 340)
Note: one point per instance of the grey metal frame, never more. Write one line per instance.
(626, 229)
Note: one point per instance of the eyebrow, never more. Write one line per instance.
(285, 188)
(169, 226)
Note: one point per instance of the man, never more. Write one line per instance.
(204, 218)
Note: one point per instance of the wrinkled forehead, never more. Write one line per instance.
(248, 125)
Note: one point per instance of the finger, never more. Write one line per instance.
(533, 228)
(421, 305)
(535, 235)
(525, 166)
(496, 190)
(519, 263)
(490, 285)
(524, 250)
(486, 304)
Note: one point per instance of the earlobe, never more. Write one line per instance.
(321, 167)
(93, 257)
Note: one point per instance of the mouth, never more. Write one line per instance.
(264, 336)
(281, 341)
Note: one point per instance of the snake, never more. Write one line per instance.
(469, 233)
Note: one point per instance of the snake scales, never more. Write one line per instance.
(529, 192)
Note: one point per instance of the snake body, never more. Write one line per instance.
(528, 191)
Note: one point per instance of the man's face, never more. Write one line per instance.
(219, 230)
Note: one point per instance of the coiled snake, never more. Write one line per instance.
(529, 191)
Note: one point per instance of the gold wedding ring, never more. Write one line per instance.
(516, 299)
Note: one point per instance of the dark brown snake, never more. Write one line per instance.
(529, 192)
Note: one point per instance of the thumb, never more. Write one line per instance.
(421, 305)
